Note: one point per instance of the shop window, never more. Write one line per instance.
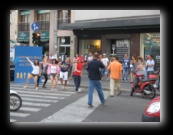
(150, 44)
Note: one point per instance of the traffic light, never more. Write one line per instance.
(33, 38)
(36, 38)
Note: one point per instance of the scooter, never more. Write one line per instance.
(143, 86)
(15, 101)
(156, 75)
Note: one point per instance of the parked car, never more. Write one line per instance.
(12, 69)
(152, 111)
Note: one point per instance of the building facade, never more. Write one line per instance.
(136, 32)
(13, 25)
(48, 20)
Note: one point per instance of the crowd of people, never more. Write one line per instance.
(98, 66)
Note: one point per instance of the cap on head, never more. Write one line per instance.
(104, 54)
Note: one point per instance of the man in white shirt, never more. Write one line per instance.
(90, 57)
(150, 65)
(105, 62)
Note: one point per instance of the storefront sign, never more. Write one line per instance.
(22, 66)
(157, 57)
(122, 47)
(44, 35)
(43, 11)
(26, 12)
(23, 36)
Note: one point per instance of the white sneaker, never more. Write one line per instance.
(52, 89)
(25, 87)
(79, 90)
(36, 88)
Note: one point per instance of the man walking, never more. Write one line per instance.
(115, 69)
(94, 80)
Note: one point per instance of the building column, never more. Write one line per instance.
(51, 32)
(73, 46)
(33, 18)
(135, 44)
(103, 44)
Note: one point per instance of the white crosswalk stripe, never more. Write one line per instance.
(36, 104)
(59, 92)
(18, 114)
(49, 97)
(39, 93)
(12, 120)
(35, 100)
(39, 100)
(30, 109)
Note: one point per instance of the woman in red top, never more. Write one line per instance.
(77, 73)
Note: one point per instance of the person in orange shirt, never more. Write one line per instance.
(115, 69)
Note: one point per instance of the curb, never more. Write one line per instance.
(107, 89)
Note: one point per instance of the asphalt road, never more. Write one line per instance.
(70, 106)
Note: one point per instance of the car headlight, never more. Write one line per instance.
(154, 107)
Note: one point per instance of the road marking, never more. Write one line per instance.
(35, 104)
(40, 100)
(12, 120)
(65, 93)
(19, 114)
(49, 97)
(77, 111)
(30, 109)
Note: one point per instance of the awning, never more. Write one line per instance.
(119, 23)
(11, 41)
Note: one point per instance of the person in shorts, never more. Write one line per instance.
(35, 72)
(64, 72)
(53, 72)
(105, 61)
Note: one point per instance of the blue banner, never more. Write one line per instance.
(22, 65)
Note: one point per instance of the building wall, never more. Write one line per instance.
(13, 25)
(82, 15)
(135, 44)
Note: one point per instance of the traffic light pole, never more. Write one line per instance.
(55, 32)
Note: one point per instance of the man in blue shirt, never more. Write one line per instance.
(126, 66)
(94, 76)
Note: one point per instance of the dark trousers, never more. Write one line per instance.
(77, 80)
(45, 81)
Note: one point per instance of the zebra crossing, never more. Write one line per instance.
(35, 100)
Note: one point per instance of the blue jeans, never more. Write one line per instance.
(125, 73)
(95, 84)
(77, 80)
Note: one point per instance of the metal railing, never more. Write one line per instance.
(63, 21)
(23, 26)
(44, 25)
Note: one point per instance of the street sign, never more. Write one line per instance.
(35, 26)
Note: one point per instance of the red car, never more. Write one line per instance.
(152, 111)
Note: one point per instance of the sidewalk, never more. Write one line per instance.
(125, 86)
